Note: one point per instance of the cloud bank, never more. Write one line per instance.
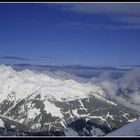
(130, 81)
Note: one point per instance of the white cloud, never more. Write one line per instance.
(104, 8)
(128, 19)
(124, 15)
(110, 87)
(130, 80)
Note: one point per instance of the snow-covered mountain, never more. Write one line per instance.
(58, 102)
(131, 129)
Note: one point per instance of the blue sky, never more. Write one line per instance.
(70, 34)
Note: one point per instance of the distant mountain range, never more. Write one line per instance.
(122, 67)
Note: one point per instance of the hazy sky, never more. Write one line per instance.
(70, 34)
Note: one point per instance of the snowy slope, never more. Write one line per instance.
(1, 123)
(70, 132)
(131, 129)
(26, 82)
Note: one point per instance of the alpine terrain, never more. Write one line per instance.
(35, 103)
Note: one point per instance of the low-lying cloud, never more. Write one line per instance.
(129, 81)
